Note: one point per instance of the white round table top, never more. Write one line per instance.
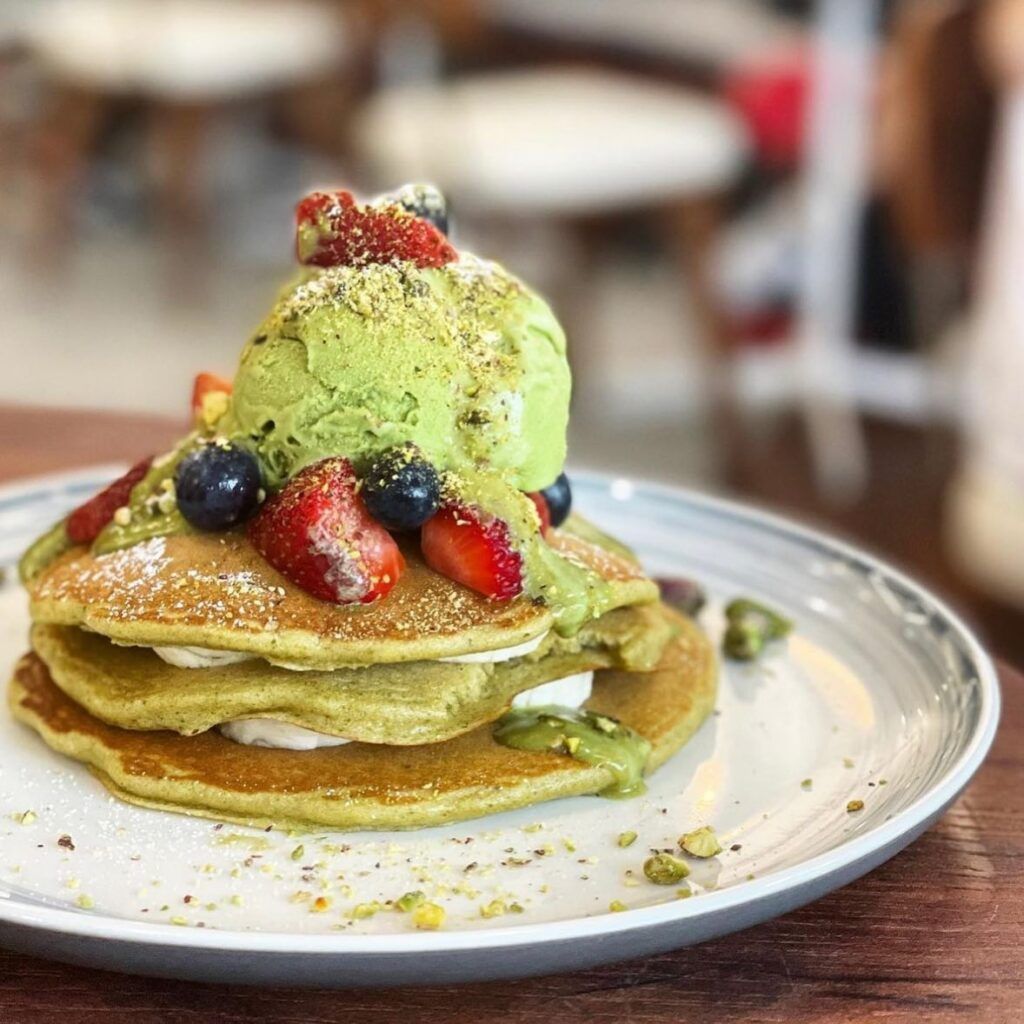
(186, 49)
(553, 141)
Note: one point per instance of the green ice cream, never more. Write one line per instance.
(464, 361)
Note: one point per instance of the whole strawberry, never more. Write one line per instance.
(333, 230)
(316, 532)
(85, 524)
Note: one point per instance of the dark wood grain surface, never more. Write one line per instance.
(937, 934)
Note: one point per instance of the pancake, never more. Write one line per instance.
(367, 786)
(217, 591)
(404, 704)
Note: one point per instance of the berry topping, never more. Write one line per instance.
(210, 395)
(317, 532)
(474, 549)
(217, 486)
(424, 201)
(401, 489)
(86, 522)
(208, 384)
(333, 230)
(541, 504)
(559, 498)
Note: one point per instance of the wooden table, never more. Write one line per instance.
(937, 934)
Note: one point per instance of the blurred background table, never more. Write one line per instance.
(935, 935)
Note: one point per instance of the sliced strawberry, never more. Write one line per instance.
(465, 544)
(85, 523)
(207, 384)
(333, 230)
(316, 532)
(543, 511)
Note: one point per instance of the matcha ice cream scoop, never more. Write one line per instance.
(464, 361)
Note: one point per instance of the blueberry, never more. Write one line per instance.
(401, 489)
(217, 486)
(559, 499)
(425, 201)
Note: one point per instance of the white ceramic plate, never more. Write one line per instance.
(881, 695)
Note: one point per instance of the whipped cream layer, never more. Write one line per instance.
(204, 657)
(570, 691)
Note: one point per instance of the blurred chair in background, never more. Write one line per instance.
(183, 62)
(986, 501)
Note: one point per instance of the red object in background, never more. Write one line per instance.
(763, 327)
(771, 96)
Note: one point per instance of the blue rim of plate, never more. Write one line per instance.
(847, 854)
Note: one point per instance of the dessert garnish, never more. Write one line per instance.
(402, 490)
(701, 842)
(474, 548)
(584, 735)
(86, 523)
(665, 868)
(364, 554)
(317, 532)
(336, 231)
(217, 486)
(750, 626)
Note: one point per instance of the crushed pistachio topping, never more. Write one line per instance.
(363, 910)
(409, 901)
(493, 909)
(684, 894)
(24, 817)
(701, 842)
(807, 784)
(85, 902)
(626, 839)
(616, 906)
(854, 805)
(750, 627)
(428, 916)
(665, 869)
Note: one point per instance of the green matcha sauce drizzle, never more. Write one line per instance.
(584, 735)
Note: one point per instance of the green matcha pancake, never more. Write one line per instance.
(404, 704)
(362, 785)
(215, 591)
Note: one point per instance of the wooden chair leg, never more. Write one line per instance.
(177, 135)
(61, 149)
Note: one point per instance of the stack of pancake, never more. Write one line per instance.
(355, 595)
(422, 750)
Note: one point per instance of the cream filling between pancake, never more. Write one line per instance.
(570, 691)
(204, 657)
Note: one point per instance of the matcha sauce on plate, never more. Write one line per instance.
(584, 735)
